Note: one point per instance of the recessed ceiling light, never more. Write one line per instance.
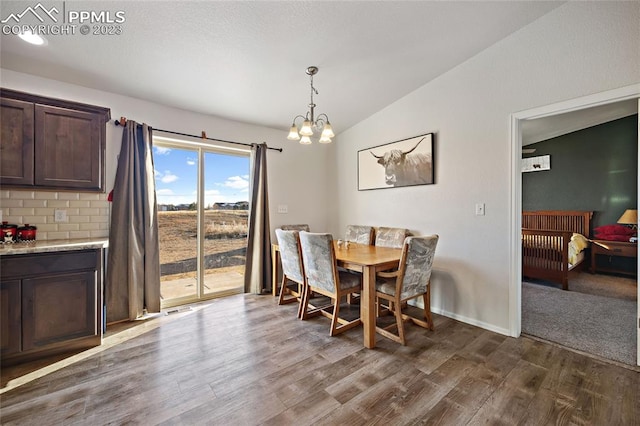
(32, 38)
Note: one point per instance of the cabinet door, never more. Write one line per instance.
(58, 308)
(16, 142)
(68, 148)
(10, 320)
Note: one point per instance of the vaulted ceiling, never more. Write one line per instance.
(246, 61)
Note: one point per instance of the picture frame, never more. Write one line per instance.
(407, 162)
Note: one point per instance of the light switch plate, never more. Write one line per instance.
(480, 209)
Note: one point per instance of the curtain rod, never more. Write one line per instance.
(123, 121)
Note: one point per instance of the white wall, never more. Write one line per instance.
(578, 49)
(296, 175)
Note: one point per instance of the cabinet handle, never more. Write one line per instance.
(29, 306)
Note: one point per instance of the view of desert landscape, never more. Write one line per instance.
(225, 242)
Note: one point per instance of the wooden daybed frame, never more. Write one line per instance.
(545, 256)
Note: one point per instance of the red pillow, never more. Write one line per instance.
(614, 230)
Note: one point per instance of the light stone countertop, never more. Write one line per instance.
(53, 246)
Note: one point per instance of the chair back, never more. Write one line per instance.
(391, 237)
(319, 259)
(416, 263)
(299, 227)
(359, 234)
(290, 254)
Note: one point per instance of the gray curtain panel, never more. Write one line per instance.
(133, 264)
(257, 275)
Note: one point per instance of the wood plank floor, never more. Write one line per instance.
(243, 360)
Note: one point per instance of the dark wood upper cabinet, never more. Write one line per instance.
(17, 144)
(52, 143)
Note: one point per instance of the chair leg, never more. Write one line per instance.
(334, 318)
(303, 310)
(283, 290)
(426, 300)
(306, 309)
(303, 297)
(400, 322)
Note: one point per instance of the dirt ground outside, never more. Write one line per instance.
(225, 231)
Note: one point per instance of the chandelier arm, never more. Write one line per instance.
(293, 123)
(321, 120)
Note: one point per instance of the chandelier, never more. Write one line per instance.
(311, 124)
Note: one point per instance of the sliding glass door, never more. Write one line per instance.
(203, 209)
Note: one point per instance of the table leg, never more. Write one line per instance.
(275, 255)
(368, 306)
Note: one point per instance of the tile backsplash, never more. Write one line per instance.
(87, 214)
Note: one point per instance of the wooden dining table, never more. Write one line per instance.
(366, 259)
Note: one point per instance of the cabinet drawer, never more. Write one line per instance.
(24, 266)
(626, 250)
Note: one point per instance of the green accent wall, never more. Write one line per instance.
(592, 169)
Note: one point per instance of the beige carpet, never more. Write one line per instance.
(597, 315)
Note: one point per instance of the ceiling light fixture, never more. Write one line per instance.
(32, 38)
(310, 123)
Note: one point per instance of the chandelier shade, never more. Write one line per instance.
(311, 124)
(293, 133)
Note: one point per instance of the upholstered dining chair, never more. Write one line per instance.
(391, 237)
(292, 268)
(298, 227)
(411, 280)
(359, 234)
(323, 277)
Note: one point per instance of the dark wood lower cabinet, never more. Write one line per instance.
(10, 317)
(51, 303)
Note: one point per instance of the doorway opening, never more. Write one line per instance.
(203, 206)
(631, 93)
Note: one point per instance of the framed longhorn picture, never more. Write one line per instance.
(407, 162)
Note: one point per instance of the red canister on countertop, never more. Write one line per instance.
(27, 233)
(9, 232)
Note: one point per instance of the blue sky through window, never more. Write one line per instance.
(176, 173)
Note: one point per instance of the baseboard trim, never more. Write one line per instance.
(471, 321)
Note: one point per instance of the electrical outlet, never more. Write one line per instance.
(480, 209)
(60, 216)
